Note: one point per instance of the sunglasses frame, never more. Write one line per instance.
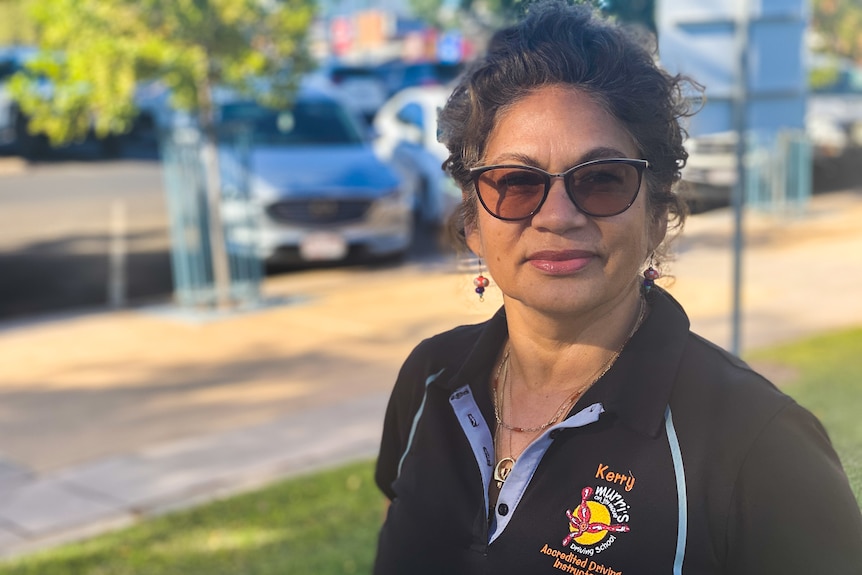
(639, 165)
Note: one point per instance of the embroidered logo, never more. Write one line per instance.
(592, 524)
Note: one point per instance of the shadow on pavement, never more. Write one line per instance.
(54, 276)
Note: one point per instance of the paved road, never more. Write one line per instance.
(56, 228)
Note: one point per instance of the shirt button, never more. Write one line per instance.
(503, 509)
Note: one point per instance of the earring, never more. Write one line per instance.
(650, 275)
(481, 282)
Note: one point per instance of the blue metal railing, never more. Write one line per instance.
(191, 253)
(779, 172)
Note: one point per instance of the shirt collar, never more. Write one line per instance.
(480, 358)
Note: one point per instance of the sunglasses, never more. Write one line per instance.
(598, 188)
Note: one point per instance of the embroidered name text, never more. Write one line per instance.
(627, 481)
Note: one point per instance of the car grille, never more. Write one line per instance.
(318, 211)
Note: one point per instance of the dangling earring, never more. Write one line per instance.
(650, 275)
(481, 282)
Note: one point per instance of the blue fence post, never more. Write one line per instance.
(191, 256)
(246, 268)
(798, 167)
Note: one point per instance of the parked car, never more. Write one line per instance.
(313, 189)
(711, 160)
(361, 88)
(406, 137)
(398, 74)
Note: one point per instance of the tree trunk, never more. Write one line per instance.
(212, 177)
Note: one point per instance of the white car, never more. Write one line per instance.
(406, 137)
(711, 160)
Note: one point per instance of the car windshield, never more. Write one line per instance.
(341, 74)
(308, 123)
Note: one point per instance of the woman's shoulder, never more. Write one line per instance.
(442, 357)
(715, 368)
(457, 339)
(455, 345)
(725, 385)
(724, 401)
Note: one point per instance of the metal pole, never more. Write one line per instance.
(738, 197)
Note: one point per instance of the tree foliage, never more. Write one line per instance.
(639, 12)
(95, 53)
(838, 25)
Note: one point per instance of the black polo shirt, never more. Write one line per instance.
(681, 459)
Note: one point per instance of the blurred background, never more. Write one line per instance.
(217, 216)
(103, 154)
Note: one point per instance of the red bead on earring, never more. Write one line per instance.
(650, 275)
(481, 282)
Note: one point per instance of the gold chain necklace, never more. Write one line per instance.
(505, 464)
(566, 402)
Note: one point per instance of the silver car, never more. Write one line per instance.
(307, 187)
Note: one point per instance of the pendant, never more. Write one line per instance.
(502, 470)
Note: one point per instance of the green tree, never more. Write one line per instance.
(95, 53)
(429, 11)
(838, 25)
(640, 12)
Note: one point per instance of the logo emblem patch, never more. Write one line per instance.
(592, 523)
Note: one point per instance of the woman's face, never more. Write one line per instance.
(560, 260)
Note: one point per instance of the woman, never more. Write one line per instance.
(584, 428)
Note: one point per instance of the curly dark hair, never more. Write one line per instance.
(560, 44)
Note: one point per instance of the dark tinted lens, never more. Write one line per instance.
(511, 193)
(604, 189)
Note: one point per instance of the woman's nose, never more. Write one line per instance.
(558, 211)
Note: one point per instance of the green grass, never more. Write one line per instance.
(327, 523)
(322, 524)
(827, 379)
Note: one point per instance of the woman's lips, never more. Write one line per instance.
(560, 262)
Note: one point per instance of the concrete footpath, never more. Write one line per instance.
(109, 417)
